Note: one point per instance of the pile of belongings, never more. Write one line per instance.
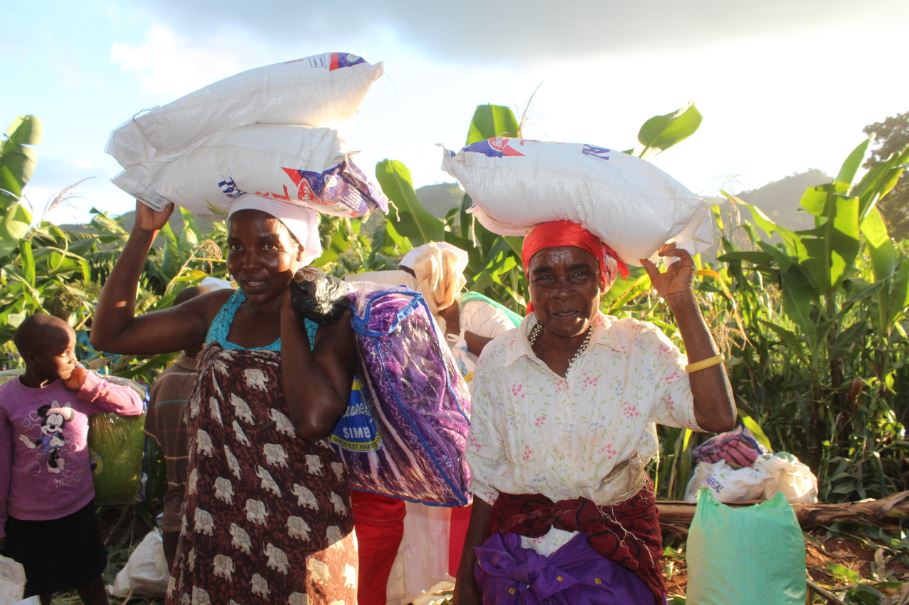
(735, 467)
(269, 131)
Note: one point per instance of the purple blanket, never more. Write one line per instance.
(405, 429)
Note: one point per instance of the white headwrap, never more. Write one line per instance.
(439, 270)
(302, 222)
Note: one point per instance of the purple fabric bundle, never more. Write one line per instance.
(509, 574)
(737, 447)
(413, 445)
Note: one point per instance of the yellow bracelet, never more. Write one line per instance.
(704, 364)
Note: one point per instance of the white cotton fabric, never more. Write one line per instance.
(302, 223)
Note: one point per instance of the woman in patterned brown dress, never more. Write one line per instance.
(266, 517)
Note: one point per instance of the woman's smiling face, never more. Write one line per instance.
(263, 256)
(564, 289)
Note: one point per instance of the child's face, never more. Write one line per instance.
(55, 356)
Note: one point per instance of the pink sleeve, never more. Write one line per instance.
(110, 397)
(6, 466)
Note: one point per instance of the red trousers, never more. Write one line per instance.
(379, 522)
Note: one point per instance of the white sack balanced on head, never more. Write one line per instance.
(627, 202)
(264, 132)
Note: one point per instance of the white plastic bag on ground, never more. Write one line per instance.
(727, 484)
(146, 572)
(12, 581)
(321, 90)
(282, 161)
(632, 205)
(788, 475)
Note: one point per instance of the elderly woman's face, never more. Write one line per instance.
(565, 289)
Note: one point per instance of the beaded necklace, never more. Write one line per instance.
(537, 331)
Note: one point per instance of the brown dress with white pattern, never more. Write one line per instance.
(266, 517)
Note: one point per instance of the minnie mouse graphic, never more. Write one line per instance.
(51, 440)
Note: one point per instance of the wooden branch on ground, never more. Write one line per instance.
(869, 512)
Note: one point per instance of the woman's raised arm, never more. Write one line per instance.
(714, 404)
(115, 327)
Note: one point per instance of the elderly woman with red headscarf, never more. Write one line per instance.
(563, 425)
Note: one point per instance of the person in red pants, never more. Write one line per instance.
(379, 522)
(468, 321)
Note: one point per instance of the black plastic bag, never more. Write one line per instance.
(318, 296)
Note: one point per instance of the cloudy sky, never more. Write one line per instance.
(784, 85)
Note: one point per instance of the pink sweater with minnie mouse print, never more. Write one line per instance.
(45, 471)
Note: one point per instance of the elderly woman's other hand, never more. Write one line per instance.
(678, 277)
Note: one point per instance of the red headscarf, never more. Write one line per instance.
(567, 233)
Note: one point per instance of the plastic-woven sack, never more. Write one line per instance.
(287, 162)
(116, 446)
(745, 556)
(405, 429)
(629, 203)
(321, 90)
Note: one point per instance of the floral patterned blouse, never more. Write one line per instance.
(589, 434)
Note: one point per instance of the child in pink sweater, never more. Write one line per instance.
(47, 518)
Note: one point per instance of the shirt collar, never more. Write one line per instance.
(520, 344)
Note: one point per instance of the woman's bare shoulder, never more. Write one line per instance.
(211, 302)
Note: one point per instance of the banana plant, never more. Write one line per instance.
(820, 270)
(18, 158)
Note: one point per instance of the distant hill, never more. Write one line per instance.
(127, 219)
(780, 199)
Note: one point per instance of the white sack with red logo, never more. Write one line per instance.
(287, 162)
(629, 203)
(321, 90)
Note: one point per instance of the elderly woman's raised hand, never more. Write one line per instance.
(678, 277)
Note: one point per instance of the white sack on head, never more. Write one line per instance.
(302, 222)
(632, 205)
(293, 163)
(321, 90)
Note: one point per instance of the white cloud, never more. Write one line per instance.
(171, 65)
